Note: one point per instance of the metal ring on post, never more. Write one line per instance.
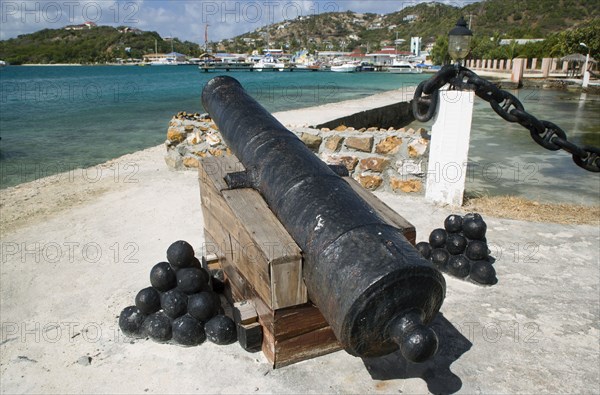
(418, 101)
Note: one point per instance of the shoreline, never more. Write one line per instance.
(47, 197)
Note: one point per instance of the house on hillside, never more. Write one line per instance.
(85, 25)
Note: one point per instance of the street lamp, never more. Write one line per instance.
(459, 41)
(586, 77)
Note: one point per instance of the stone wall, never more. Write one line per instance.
(393, 159)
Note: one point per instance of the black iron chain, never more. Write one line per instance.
(505, 104)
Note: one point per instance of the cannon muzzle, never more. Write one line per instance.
(371, 285)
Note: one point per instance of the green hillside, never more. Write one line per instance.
(492, 18)
(89, 46)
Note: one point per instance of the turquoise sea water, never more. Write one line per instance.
(54, 119)
(58, 118)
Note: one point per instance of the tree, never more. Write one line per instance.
(439, 53)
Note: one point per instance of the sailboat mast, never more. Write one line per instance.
(206, 38)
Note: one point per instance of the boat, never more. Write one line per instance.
(2, 63)
(366, 66)
(403, 67)
(345, 68)
(268, 63)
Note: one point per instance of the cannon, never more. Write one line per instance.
(372, 286)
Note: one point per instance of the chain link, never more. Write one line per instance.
(506, 105)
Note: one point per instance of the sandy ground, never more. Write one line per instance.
(76, 248)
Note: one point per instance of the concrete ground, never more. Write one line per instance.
(66, 275)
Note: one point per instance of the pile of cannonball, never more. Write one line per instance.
(180, 305)
(460, 249)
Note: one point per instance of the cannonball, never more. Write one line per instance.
(131, 320)
(162, 277)
(157, 326)
(180, 254)
(203, 306)
(483, 272)
(174, 303)
(453, 223)
(439, 257)
(196, 263)
(437, 238)
(188, 331)
(148, 300)
(477, 250)
(220, 330)
(459, 266)
(424, 248)
(474, 227)
(191, 280)
(456, 244)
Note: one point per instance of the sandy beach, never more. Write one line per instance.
(76, 247)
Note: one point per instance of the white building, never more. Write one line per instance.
(415, 45)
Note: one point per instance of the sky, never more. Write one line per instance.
(185, 19)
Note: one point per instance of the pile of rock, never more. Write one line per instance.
(391, 159)
(191, 137)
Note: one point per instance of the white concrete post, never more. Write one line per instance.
(449, 148)
(546, 63)
(517, 70)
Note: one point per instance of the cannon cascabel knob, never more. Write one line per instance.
(417, 342)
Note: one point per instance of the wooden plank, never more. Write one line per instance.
(309, 345)
(259, 246)
(385, 211)
(231, 253)
(250, 336)
(265, 244)
(244, 312)
(287, 284)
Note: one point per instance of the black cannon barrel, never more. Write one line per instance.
(370, 283)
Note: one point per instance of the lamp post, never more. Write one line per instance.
(586, 74)
(459, 41)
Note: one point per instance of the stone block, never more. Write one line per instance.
(364, 144)
(175, 135)
(376, 164)
(389, 145)
(370, 182)
(333, 143)
(312, 141)
(407, 186)
(417, 147)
